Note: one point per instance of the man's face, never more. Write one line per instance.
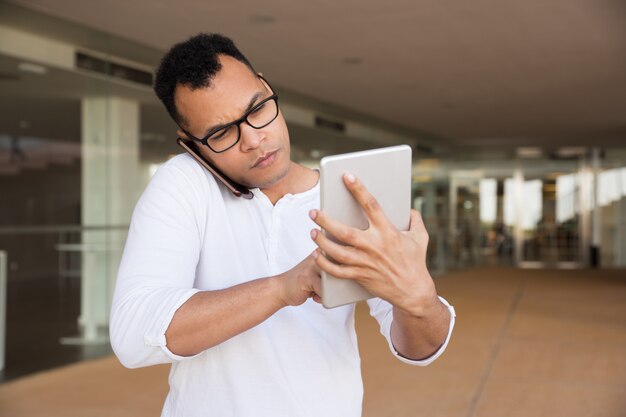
(226, 99)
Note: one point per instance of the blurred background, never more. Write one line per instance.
(516, 113)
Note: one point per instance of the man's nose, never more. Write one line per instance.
(250, 137)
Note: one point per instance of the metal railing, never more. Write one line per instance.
(56, 228)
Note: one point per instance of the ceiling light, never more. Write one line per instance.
(32, 68)
(571, 151)
(529, 152)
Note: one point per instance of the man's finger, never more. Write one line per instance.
(337, 271)
(367, 201)
(346, 255)
(343, 233)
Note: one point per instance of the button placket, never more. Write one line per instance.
(273, 238)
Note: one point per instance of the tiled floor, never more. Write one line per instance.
(527, 343)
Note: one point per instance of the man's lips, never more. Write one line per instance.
(263, 158)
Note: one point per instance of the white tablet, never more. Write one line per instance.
(386, 173)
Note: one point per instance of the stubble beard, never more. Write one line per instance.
(275, 179)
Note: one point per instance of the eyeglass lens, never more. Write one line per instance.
(259, 117)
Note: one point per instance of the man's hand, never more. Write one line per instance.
(301, 282)
(389, 263)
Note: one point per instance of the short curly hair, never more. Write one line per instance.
(192, 63)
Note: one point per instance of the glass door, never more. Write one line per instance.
(545, 204)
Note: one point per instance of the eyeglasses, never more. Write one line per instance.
(225, 137)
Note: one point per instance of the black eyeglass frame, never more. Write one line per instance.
(238, 122)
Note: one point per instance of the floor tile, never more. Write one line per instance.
(536, 399)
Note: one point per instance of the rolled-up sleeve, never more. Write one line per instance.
(382, 311)
(157, 271)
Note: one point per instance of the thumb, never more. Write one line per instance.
(311, 260)
(417, 223)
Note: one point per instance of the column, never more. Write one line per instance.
(111, 178)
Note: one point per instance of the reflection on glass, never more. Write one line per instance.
(611, 186)
(488, 200)
(566, 202)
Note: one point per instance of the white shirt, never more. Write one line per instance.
(190, 234)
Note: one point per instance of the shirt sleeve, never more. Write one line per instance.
(157, 271)
(382, 311)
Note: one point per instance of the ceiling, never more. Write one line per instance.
(481, 73)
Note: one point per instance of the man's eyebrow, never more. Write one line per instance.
(253, 100)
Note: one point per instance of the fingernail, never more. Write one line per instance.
(314, 254)
(350, 178)
(313, 214)
(313, 234)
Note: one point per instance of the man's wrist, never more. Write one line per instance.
(421, 306)
(277, 290)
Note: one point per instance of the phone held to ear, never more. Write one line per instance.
(237, 189)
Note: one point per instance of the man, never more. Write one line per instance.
(226, 288)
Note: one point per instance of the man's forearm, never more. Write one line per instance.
(419, 336)
(209, 318)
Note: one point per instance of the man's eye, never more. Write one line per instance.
(218, 135)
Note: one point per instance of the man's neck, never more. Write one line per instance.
(298, 179)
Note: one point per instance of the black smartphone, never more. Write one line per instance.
(236, 188)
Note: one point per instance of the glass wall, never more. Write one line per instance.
(611, 209)
(529, 213)
(77, 143)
